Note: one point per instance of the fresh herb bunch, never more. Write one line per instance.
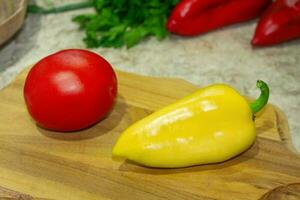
(125, 22)
(117, 22)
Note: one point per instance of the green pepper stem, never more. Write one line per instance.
(35, 9)
(262, 100)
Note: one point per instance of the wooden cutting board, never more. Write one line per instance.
(39, 164)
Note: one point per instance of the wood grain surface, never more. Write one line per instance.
(40, 164)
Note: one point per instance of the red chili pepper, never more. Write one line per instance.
(193, 17)
(281, 22)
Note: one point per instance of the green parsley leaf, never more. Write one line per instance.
(125, 22)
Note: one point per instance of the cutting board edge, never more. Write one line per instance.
(284, 130)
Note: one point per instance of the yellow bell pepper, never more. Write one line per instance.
(211, 125)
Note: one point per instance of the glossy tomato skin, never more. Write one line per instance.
(70, 90)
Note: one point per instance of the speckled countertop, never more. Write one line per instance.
(221, 56)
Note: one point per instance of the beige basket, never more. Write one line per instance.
(12, 14)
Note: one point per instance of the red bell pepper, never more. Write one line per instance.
(193, 17)
(280, 22)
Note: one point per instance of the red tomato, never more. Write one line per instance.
(70, 90)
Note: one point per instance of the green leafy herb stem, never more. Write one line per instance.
(119, 22)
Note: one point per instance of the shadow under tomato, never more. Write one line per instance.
(247, 155)
(100, 128)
